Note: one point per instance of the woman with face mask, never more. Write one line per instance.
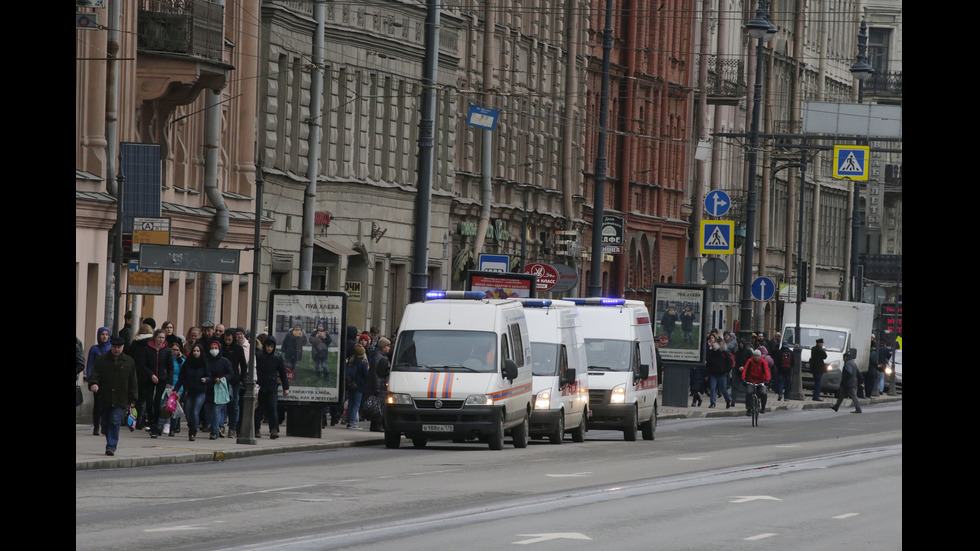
(219, 370)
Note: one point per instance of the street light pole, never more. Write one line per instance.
(247, 434)
(861, 71)
(758, 28)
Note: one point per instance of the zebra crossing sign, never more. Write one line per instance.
(851, 162)
(717, 237)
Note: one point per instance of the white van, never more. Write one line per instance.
(560, 372)
(622, 361)
(461, 369)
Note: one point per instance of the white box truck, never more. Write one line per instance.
(560, 372)
(461, 369)
(622, 360)
(842, 325)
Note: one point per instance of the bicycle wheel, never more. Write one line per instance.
(755, 409)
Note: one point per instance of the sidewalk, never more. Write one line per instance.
(137, 449)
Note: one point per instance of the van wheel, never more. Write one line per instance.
(519, 433)
(419, 442)
(578, 434)
(496, 440)
(649, 428)
(629, 430)
(392, 439)
(559, 432)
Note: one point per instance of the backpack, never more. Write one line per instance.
(785, 359)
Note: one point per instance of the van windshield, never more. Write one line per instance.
(608, 354)
(468, 351)
(545, 357)
(833, 341)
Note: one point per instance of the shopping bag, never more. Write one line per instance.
(371, 408)
(131, 419)
(179, 412)
(221, 394)
(172, 401)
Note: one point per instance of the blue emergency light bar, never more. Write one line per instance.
(595, 301)
(471, 295)
(537, 303)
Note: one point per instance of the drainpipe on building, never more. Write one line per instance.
(569, 177)
(313, 153)
(489, 28)
(113, 304)
(212, 131)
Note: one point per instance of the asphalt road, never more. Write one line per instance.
(810, 479)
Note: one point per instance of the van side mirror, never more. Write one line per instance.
(643, 372)
(510, 369)
(569, 376)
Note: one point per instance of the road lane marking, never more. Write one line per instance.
(846, 515)
(760, 536)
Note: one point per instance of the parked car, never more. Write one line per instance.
(898, 370)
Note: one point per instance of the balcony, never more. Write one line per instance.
(726, 81)
(884, 84)
(185, 27)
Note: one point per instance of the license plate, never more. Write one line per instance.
(437, 428)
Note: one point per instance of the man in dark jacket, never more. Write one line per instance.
(113, 381)
(818, 364)
(270, 369)
(718, 363)
(235, 354)
(848, 383)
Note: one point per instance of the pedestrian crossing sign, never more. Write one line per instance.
(717, 237)
(851, 162)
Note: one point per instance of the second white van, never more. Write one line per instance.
(560, 372)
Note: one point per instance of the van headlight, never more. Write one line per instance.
(478, 400)
(888, 370)
(618, 395)
(834, 366)
(543, 400)
(396, 399)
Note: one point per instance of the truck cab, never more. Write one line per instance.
(461, 369)
(560, 372)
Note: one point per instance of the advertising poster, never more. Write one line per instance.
(679, 321)
(501, 285)
(309, 330)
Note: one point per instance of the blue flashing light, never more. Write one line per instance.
(470, 295)
(537, 303)
(596, 301)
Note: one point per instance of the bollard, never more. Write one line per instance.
(795, 391)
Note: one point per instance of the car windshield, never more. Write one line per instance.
(898, 357)
(608, 354)
(833, 341)
(545, 357)
(469, 351)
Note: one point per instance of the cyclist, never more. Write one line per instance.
(756, 370)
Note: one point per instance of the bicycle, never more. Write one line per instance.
(755, 405)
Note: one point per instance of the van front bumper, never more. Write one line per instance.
(544, 421)
(455, 422)
(609, 416)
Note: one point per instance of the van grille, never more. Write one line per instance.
(597, 396)
(430, 403)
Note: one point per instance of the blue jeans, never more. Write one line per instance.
(817, 384)
(220, 414)
(720, 381)
(782, 382)
(353, 405)
(111, 419)
(233, 406)
(192, 410)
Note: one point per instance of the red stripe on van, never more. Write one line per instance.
(643, 320)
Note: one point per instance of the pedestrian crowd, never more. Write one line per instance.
(160, 382)
(730, 362)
